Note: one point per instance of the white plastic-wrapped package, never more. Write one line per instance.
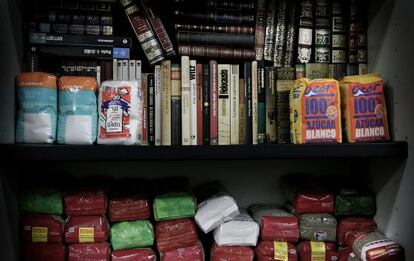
(258, 211)
(120, 113)
(214, 211)
(240, 231)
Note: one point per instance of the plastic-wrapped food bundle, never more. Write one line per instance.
(143, 254)
(78, 114)
(189, 253)
(352, 203)
(240, 231)
(258, 211)
(125, 208)
(343, 253)
(215, 211)
(86, 229)
(314, 201)
(132, 234)
(174, 206)
(43, 252)
(37, 107)
(85, 202)
(275, 250)
(40, 201)
(89, 252)
(318, 227)
(280, 228)
(232, 253)
(349, 224)
(175, 234)
(311, 250)
(42, 228)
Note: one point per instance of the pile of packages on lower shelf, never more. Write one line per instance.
(91, 223)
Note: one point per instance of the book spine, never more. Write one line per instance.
(290, 36)
(200, 89)
(120, 70)
(158, 28)
(79, 40)
(305, 34)
(285, 82)
(255, 113)
(144, 80)
(213, 103)
(206, 104)
(175, 104)
(185, 101)
(317, 71)
(125, 70)
(323, 31)
(280, 41)
(337, 71)
(166, 94)
(270, 85)
(193, 102)
(209, 38)
(98, 74)
(143, 32)
(231, 29)
(218, 4)
(216, 52)
(157, 103)
(76, 51)
(115, 69)
(234, 105)
(224, 80)
(270, 31)
(242, 113)
(132, 73)
(151, 108)
(261, 103)
(213, 16)
(248, 102)
(138, 70)
(339, 37)
(139, 79)
(260, 29)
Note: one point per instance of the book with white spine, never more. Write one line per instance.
(157, 104)
(224, 82)
(255, 121)
(132, 73)
(125, 70)
(138, 69)
(119, 71)
(185, 100)
(193, 98)
(165, 102)
(234, 110)
(114, 69)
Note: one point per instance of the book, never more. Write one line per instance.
(125, 70)
(214, 16)
(144, 87)
(213, 103)
(261, 103)
(120, 70)
(305, 32)
(317, 71)
(185, 101)
(337, 71)
(151, 108)
(280, 35)
(224, 81)
(270, 31)
(79, 40)
(166, 97)
(138, 70)
(131, 73)
(200, 89)
(260, 29)
(322, 31)
(217, 4)
(212, 38)
(255, 113)
(175, 104)
(157, 105)
(339, 36)
(193, 103)
(206, 104)
(285, 78)
(242, 113)
(270, 110)
(98, 74)
(234, 105)
(80, 51)
(115, 69)
(291, 36)
(248, 102)
(232, 29)
(216, 52)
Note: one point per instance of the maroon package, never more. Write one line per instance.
(265, 251)
(280, 229)
(126, 208)
(85, 202)
(231, 253)
(349, 224)
(311, 250)
(344, 253)
(43, 252)
(175, 234)
(190, 253)
(42, 228)
(86, 229)
(313, 201)
(143, 254)
(89, 252)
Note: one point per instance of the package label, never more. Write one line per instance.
(39, 234)
(280, 251)
(317, 251)
(86, 234)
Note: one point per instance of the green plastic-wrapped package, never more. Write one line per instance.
(318, 227)
(174, 206)
(132, 234)
(352, 203)
(40, 201)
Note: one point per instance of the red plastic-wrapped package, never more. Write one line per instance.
(280, 229)
(350, 224)
(313, 201)
(190, 253)
(85, 202)
(231, 253)
(344, 254)
(43, 252)
(144, 254)
(352, 236)
(89, 252)
(42, 228)
(265, 251)
(310, 250)
(175, 234)
(86, 229)
(126, 208)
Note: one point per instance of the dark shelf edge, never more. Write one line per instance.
(397, 149)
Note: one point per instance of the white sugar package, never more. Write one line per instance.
(120, 113)
(78, 113)
(214, 211)
(240, 231)
(258, 211)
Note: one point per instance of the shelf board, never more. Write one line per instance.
(398, 149)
